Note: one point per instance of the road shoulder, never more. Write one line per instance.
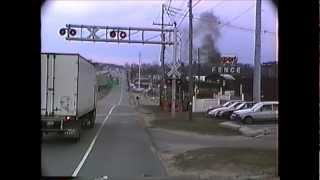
(178, 142)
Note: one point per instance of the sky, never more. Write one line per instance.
(55, 14)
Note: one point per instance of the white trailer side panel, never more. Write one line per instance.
(58, 84)
(86, 87)
(44, 73)
(65, 89)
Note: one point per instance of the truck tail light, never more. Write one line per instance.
(67, 119)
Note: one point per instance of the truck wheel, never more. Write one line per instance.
(84, 121)
(76, 137)
(248, 120)
(92, 119)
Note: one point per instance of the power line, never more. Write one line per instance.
(234, 26)
(169, 4)
(226, 24)
(218, 4)
(196, 3)
(167, 12)
(184, 16)
(241, 14)
(186, 12)
(222, 24)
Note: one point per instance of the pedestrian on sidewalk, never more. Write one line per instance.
(138, 98)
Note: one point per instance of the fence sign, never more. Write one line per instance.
(226, 69)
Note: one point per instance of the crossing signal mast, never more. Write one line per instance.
(91, 33)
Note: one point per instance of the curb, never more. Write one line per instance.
(255, 177)
(155, 151)
(244, 130)
(153, 147)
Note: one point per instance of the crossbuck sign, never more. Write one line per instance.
(174, 73)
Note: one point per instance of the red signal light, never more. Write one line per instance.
(123, 34)
(62, 31)
(73, 32)
(113, 34)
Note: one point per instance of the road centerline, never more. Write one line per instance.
(76, 171)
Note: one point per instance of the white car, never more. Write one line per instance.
(228, 103)
(213, 113)
(227, 112)
(262, 111)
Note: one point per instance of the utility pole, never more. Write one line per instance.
(277, 58)
(198, 57)
(162, 51)
(190, 61)
(257, 55)
(173, 95)
(139, 68)
(162, 55)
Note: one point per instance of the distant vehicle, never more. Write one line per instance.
(227, 112)
(262, 111)
(68, 94)
(213, 113)
(228, 103)
(138, 90)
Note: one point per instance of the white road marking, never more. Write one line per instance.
(76, 171)
(120, 93)
(101, 115)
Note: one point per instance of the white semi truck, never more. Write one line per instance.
(68, 94)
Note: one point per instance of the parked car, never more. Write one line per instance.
(213, 113)
(262, 111)
(227, 112)
(228, 103)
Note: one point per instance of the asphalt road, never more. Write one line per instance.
(119, 147)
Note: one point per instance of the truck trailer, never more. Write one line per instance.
(68, 94)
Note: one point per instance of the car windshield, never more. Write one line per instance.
(257, 105)
(235, 104)
(250, 105)
(238, 106)
(226, 104)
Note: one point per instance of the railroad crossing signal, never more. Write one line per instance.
(169, 82)
(113, 34)
(93, 31)
(174, 71)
